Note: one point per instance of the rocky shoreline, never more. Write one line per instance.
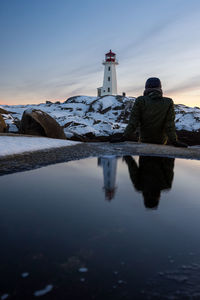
(90, 119)
(36, 159)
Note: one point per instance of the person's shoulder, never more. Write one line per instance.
(168, 100)
(139, 99)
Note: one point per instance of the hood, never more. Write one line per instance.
(153, 92)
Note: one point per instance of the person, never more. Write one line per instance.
(154, 115)
(151, 176)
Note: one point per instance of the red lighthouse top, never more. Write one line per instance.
(110, 56)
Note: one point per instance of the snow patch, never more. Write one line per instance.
(43, 292)
(11, 145)
(83, 270)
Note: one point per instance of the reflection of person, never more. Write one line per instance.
(153, 175)
(154, 115)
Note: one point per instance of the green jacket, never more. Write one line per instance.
(154, 116)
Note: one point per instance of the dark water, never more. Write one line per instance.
(131, 224)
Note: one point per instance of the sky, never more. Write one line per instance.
(53, 49)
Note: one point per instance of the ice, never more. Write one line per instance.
(120, 281)
(82, 279)
(43, 292)
(83, 270)
(25, 274)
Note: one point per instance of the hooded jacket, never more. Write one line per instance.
(154, 115)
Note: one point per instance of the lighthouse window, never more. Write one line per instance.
(108, 78)
(108, 68)
(108, 89)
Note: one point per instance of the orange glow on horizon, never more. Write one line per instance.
(3, 102)
(192, 99)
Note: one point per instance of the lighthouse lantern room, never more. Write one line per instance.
(110, 79)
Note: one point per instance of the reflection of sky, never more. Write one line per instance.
(185, 167)
(52, 50)
(56, 217)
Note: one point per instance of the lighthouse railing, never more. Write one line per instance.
(115, 62)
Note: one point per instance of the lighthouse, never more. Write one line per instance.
(110, 79)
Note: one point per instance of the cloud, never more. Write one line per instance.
(188, 85)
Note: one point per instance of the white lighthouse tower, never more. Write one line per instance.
(110, 79)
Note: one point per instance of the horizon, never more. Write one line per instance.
(52, 51)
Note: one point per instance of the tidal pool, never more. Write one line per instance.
(102, 228)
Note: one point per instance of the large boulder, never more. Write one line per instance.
(37, 122)
(2, 124)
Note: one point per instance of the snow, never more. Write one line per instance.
(29, 110)
(187, 118)
(100, 116)
(43, 292)
(82, 99)
(18, 144)
(86, 113)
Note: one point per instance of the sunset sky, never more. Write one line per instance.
(53, 49)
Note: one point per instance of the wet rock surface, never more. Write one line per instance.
(36, 159)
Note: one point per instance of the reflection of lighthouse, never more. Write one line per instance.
(109, 165)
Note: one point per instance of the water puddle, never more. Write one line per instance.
(102, 228)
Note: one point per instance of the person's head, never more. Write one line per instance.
(153, 84)
(151, 198)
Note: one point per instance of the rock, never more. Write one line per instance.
(37, 122)
(189, 137)
(95, 119)
(3, 111)
(49, 102)
(2, 124)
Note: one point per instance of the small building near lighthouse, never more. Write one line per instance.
(110, 78)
